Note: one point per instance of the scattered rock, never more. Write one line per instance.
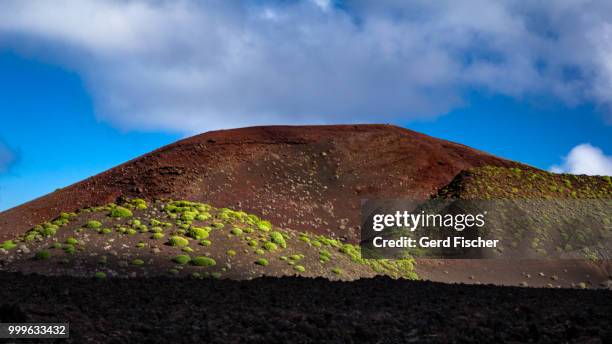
(24, 249)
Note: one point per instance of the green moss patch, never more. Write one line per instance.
(264, 226)
(178, 241)
(203, 261)
(278, 239)
(262, 262)
(270, 246)
(181, 259)
(138, 262)
(119, 212)
(93, 224)
(198, 233)
(8, 245)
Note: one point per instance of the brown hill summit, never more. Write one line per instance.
(309, 178)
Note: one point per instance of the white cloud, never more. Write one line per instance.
(189, 66)
(7, 158)
(585, 159)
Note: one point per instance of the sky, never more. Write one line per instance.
(88, 84)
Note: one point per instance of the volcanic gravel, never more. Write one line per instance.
(297, 310)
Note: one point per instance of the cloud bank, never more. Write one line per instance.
(190, 65)
(585, 159)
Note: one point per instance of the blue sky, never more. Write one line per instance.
(90, 84)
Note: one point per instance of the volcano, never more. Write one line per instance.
(276, 201)
(309, 178)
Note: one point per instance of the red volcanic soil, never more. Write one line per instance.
(308, 178)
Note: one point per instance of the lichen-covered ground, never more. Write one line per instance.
(493, 182)
(184, 239)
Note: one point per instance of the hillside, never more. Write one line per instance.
(183, 239)
(308, 178)
(494, 182)
(571, 219)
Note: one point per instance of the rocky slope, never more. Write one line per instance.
(309, 178)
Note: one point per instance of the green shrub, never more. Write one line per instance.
(187, 249)
(131, 231)
(202, 217)
(236, 231)
(93, 224)
(56, 245)
(69, 249)
(262, 262)
(216, 275)
(270, 246)
(140, 245)
(259, 251)
(299, 268)
(49, 229)
(337, 271)
(138, 262)
(264, 226)
(178, 241)
(64, 216)
(42, 255)
(231, 253)
(181, 259)
(139, 203)
(205, 242)
(253, 243)
(189, 216)
(198, 233)
(100, 275)
(72, 241)
(278, 239)
(8, 245)
(203, 261)
(118, 212)
(157, 236)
